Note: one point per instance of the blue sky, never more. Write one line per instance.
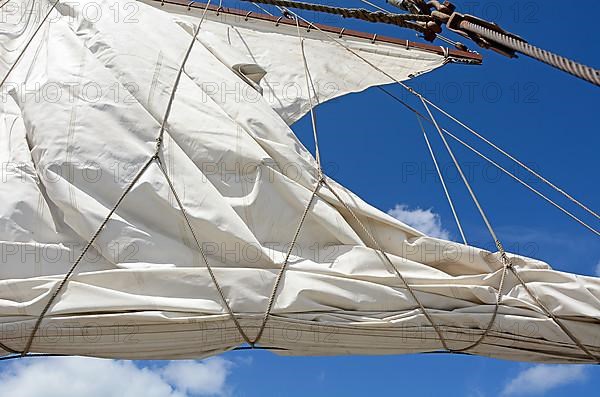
(544, 117)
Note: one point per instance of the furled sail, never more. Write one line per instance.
(80, 117)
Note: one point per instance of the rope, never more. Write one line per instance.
(468, 185)
(566, 65)
(273, 295)
(177, 78)
(28, 41)
(456, 44)
(309, 85)
(376, 6)
(262, 9)
(401, 20)
(3, 346)
(8, 349)
(441, 176)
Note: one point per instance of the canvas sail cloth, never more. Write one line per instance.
(79, 117)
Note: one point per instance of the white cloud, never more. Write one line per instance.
(77, 376)
(204, 378)
(425, 221)
(542, 378)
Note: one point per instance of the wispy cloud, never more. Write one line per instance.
(425, 221)
(598, 269)
(540, 379)
(77, 376)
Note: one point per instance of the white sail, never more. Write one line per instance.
(80, 115)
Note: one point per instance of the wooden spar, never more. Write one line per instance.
(455, 55)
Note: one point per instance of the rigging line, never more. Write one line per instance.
(505, 260)
(283, 268)
(5, 3)
(505, 153)
(159, 142)
(177, 78)
(262, 9)
(202, 253)
(412, 91)
(89, 244)
(376, 6)
(467, 184)
(28, 41)
(441, 176)
(521, 182)
(391, 264)
(537, 192)
(309, 84)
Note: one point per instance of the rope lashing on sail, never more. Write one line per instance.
(507, 264)
(321, 181)
(429, 18)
